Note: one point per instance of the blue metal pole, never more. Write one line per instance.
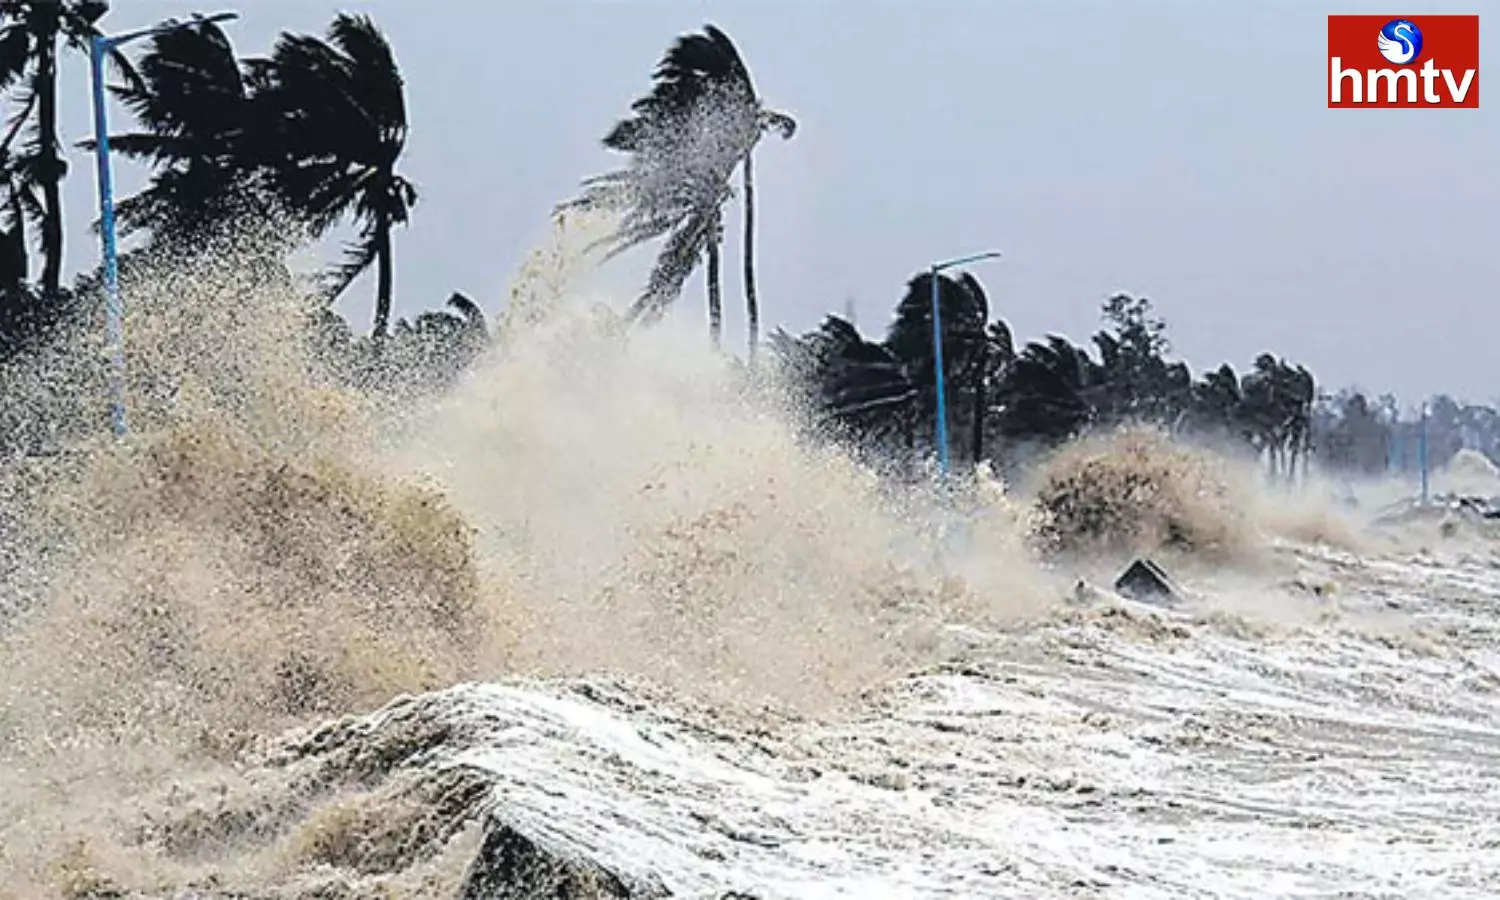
(939, 386)
(113, 305)
(937, 356)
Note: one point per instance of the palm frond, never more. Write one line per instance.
(18, 120)
(685, 138)
(15, 54)
(358, 257)
(676, 261)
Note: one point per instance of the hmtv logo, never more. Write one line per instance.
(1394, 62)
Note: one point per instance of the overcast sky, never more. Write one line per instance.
(1180, 150)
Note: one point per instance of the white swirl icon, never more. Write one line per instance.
(1399, 42)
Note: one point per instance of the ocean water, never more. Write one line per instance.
(286, 640)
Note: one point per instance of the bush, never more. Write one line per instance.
(1138, 491)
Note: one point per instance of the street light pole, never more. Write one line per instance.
(937, 356)
(99, 50)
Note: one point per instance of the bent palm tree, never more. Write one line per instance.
(339, 111)
(28, 56)
(701, 119)
(858, 386)
(199, 131)
(1050, 392)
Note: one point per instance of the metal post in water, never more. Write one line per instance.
(938, 385)
(114, 305)
(113, 310)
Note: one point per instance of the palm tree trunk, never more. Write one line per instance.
(384, 275)
(752, 306)
(51, 168)
(715, 301)
(909, 427)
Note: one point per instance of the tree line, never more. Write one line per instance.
(315, 130)
(1007, 403)
(311, 133)
(1357, 433)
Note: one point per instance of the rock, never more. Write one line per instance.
(513, 866)
(1145, 581)
(1084, 593)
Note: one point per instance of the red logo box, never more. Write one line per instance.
(1443, 73)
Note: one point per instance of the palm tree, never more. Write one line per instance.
(996, 355)
(439, 344)
(1301, 392)
(858, 386)
(202, 132)
(28, 62)
(1278, 399)
(1050, 393)
(18, 302)
(1217, 403)
(966, 343)
(338, 111)
(701, 119)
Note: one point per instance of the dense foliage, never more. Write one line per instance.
(1012, 402)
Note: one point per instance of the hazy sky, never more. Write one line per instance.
(1180, 150)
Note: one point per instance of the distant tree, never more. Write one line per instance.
(997, 355)
(1351, 434)
(1444, 430)
(1218, 406)
(421, 355)
(1278, 403)
(1300, 392)
(1143, 386)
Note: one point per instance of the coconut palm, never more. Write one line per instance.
(858, 386)
(28, 70)
(337, 110)
(1216, 406)
(1050, 393)
(199, 129)
(18, 302)
(1300, 393)
(967, 349)
(701, 119)
(1278, 401)
(996, 355)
